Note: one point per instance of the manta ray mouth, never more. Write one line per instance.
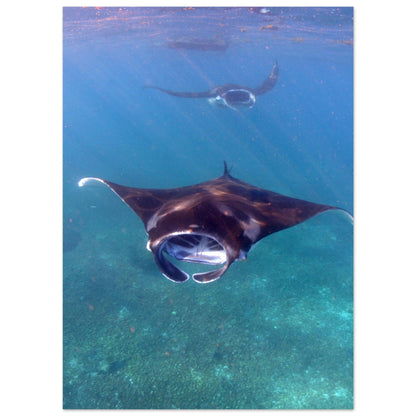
(239, 98)
(195, 248)
(191, 248)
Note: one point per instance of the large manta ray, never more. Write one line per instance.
(213, 223)
(230, 95)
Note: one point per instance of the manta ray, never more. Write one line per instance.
(230, 95)
(212, 223)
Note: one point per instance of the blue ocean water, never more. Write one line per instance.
(276, 331)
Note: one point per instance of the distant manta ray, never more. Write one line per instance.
(230, 95)
(211, 223)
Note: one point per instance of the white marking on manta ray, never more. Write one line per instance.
(251, 229)
(83, 181)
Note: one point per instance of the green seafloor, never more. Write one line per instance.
(260, 337)
(276, 331)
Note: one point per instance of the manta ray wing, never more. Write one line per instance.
(269, 82)
(203, 94)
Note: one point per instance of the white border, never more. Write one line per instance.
(31, 206)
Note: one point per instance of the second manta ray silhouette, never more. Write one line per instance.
(230, 95)
(213, 223)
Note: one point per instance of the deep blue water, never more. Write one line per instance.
(276, 331)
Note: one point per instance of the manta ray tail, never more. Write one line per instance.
(226, 170)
